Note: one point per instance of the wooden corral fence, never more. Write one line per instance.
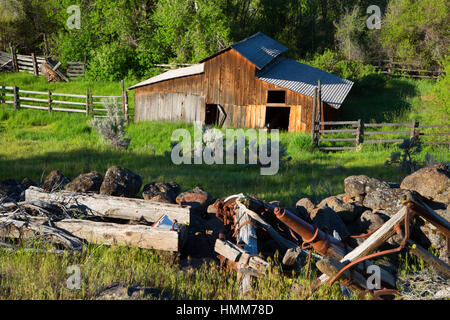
(393, 68)
(88, 103)
(355, 133)
(14, 62)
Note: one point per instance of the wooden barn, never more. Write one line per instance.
(247, 85)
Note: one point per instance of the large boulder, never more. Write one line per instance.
(368, 222)
(88, 182)
(55, 181)
(305, 205)
(388, 200)
(161, 191)
(327, 219)
(358, 186)
(197, 198)
(431, 182)
(26, 183)
(10, 188)
(121, 182)
(348, 211)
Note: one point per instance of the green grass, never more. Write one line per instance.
(32, 143)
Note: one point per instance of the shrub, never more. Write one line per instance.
(112, 127)
(111, 62)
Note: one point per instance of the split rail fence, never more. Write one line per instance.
(355, 133)
(408, 70)
(88, 103)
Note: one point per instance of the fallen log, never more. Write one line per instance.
(113, 207)
(140, 236)
(429, 258)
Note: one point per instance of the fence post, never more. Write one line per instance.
(87, 103)
(319, 100)
(49, 101)
(2, 94)
(359, 133)
(92, 106)
(14, 57)
(35, 66)
(414, 133)
(313, 121)
(16, 98)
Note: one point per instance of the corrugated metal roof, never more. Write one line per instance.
(172, 74)
(259, 49)
(302, 78)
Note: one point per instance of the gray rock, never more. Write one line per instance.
(121, 182)
(55, 181)
(326, 218)
(11, 188)
(26, 183)
(389, 200)
(348, 211)
(368, 222)
(197, 198)
(305, 205)
(359, 186)
(431, 182)
(88, 182)
(161, 191)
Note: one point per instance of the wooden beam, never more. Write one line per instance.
(140, 236)
(113, 207)
(426, 256)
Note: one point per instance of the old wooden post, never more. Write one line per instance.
(414, 125)
(313, 121)
(92, 105)
(359, 132)
(49, 101)
(16, 98)
(2, 94)
(35, 66)
(87, 103)
(319, 101)
(14, 57)
(125, 102)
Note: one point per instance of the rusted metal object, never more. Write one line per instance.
(313, 236)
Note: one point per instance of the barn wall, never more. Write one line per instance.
(169, 106)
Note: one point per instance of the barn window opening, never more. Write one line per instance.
(277, 118)
(276, 96)
(212, 114)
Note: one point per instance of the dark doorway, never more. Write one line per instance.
(212, 114)
(276, 96)
(277, 118)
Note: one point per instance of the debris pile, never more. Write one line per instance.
(346, 236)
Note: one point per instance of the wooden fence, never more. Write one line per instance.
(355, 133)
(31, 63)
(53, 101)
(408, 70)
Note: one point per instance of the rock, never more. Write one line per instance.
(431, 182)
(26, 183)
(161, 191)
(435, 238)
(88, 182)
(197, 198)
(305, 205)
(11, 188)
(359, 186)
(119, 291)
(327, 219)
(55, 181)
(389, 200)
(121, 182)
(348, 211)
(368, 222)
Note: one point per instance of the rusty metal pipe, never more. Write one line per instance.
(317, 238)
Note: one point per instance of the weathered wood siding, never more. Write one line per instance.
(170, 106)
(229, 80)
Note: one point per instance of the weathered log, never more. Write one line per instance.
(426, 256)
(113, 207)
(140, 236)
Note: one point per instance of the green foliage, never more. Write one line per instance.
(417, 31)
(349, 33)
(110, 62)
(442, 91)
(409, 147)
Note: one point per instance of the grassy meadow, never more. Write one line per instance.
(32, 143)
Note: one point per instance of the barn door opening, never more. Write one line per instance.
(277, 118)
(215, 115)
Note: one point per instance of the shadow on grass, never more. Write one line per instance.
(377, 98)
(314, 179)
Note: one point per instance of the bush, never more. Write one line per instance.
(111, 62)
(112, 128)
